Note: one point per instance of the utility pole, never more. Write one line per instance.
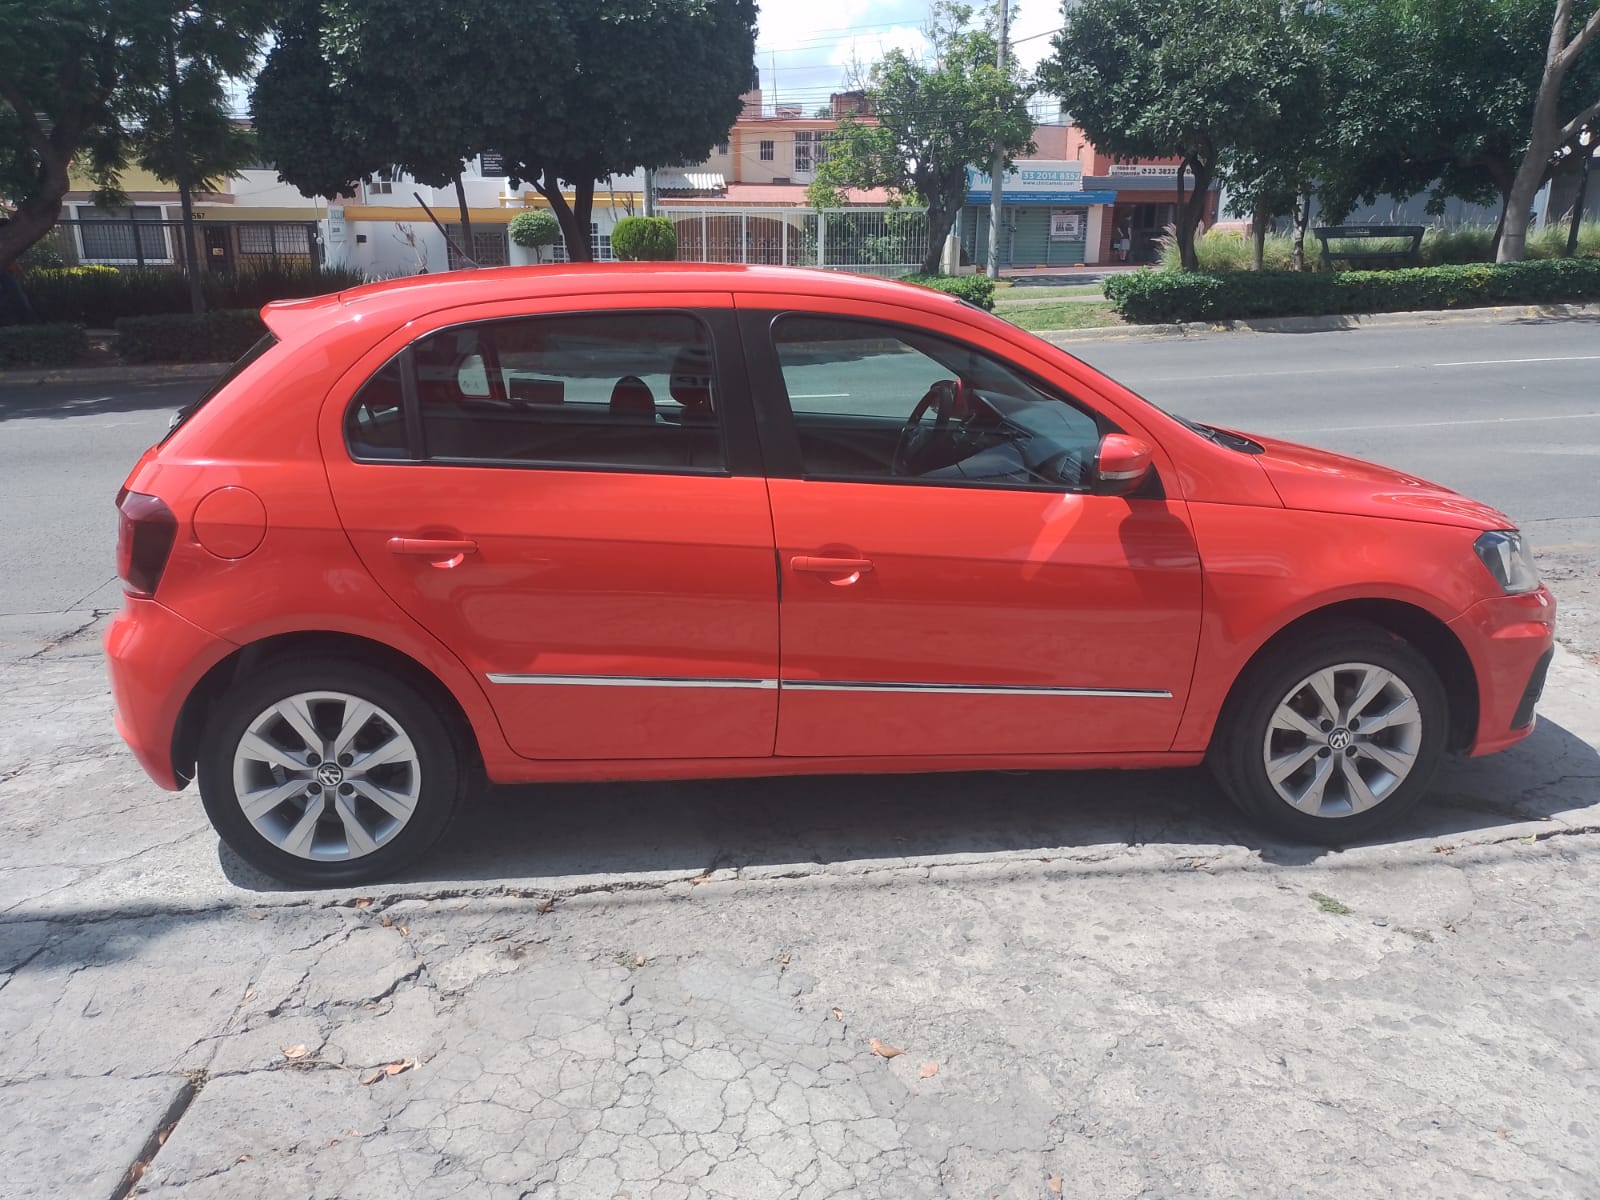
(998, 161)
(649, 191)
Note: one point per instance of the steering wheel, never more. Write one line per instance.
(946, 398)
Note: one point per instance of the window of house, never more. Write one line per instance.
(768, 151)
(722, 148)
(802, 152)
(490, 246)
(123, 236)
(278, 240)
(380, 187)
(877, 402)
(599, 242)
(628, 391)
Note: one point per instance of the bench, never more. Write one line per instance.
(1360, 259)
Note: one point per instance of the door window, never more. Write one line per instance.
(630, 391)
(880, 403)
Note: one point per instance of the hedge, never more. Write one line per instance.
(57, 345)
(220, 336)
(1152, 297)
(97, 296)
(974, 289)
(647, 239)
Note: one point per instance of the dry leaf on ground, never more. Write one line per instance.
(838, 1014)
(544, 905)
(363, 902)
(929, 1070)
(1054, 1184)
(298, 1050)
(883, 1051)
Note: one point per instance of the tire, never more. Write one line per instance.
(383, 803)
(1349, 783)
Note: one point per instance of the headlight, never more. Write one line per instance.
(1510, 560)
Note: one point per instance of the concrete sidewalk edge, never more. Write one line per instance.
(148, 373)
(1501, 315)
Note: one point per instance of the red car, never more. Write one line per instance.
(665, 521)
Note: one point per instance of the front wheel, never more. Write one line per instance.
(1334, 737)
(329, 774)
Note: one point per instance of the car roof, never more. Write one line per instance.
(417, 294)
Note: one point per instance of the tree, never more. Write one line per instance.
(186, 133)
(1182, 78)
(643, 83)
(936, 115)
(1569, 42)
(67, 68)
(534, 229)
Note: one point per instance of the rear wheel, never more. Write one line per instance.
(328, 774)
(1332, 737)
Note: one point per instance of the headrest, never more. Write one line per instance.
(691, 379)
(631, 397)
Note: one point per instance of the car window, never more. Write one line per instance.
(627, 390)
(882, 403)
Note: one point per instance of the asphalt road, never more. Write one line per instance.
(1509, 414)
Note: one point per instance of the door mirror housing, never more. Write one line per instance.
(1122, 465)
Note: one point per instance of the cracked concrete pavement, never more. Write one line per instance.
(1102, 982)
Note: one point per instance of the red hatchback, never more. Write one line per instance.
(672, 522)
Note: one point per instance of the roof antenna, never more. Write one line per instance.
(464, 261)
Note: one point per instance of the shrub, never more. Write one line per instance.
(97, 296)
(650, 239)
(57, 345)
(219, 336)
(1224, 250)
(1147, 297)
(534, 228)
(974, 289)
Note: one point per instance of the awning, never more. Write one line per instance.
(689, 181)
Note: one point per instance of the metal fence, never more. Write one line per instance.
(869, 241)
(219, 246)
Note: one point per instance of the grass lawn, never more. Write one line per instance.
(1007, 294)
(1069, 315)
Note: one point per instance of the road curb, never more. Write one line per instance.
(1502, 315)
(153, 373)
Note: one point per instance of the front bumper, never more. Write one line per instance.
(1510, 640)
(155, 658)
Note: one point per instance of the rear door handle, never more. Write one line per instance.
(842, 572)
(438, 549)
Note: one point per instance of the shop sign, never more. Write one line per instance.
(1066, 225)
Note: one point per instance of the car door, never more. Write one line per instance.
(952, 585)
(570, 501)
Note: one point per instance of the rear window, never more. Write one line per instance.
(267, 342)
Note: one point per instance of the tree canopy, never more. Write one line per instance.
(935, 115)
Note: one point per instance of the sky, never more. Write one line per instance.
(805, 47)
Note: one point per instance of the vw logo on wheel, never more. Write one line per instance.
(1339, 739)
(330, 774)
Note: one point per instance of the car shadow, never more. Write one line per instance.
(619, 834)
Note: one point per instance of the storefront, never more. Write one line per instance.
(1146, 206)
(1049, 219)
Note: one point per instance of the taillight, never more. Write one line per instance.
(145, 532)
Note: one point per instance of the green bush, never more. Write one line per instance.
(219, 336)
(534, 228)
(1149, 297)
(646, 239)
(974, 289)
(97, 296)
(1224, 250)
(58, 345)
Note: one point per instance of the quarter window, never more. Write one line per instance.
(631, 391)
(882, 403)
(768, 150)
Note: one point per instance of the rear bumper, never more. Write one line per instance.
(155, 658)
(1510, 640)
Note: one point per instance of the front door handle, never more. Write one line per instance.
(841, 572)
(444, 552)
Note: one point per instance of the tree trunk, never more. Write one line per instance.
(40, 207)
(1182, 230)
(583, 213)
(1258, 236)
(1190, 210)
(1580, 200)
(1302, 218)
(940, 221)
(549, 186)
(1548, 132)
(466, 219)
(1500, 225)
(191, 261)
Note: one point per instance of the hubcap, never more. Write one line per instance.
(326, 776)
(1343, 740)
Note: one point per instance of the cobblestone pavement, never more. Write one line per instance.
(1100, 983)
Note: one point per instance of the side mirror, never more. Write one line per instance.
(1122, 465)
